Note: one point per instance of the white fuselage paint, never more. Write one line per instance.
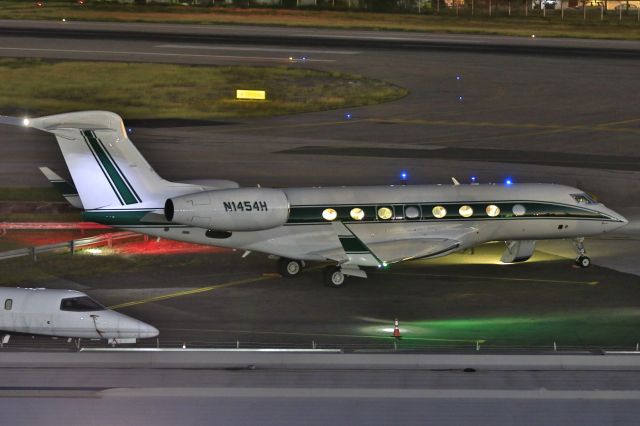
(37, 311)
(304, 241)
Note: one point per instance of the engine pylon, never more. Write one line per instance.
(396, 329)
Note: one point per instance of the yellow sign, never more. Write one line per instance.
(251, 94)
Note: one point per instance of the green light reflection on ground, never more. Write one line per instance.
(595, 328)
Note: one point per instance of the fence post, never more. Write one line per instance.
(601, 12)
(509, 7)
(34, 255)
(237, 344)
(526, 7)
(477, 345)
(313, 344)
(472, 8)
(72, 246)
(555, 347)
(489, 7)
(562, 10)
(584, 10)
(620, 14)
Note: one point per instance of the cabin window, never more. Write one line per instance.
(518, 210)
(385, 213)
(357, 213)
(465, 211)
(8, 304)
(439, 212)
(492, 210)
(329, 214)
(80, 304)
(411, 212)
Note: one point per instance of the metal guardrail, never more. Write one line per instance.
(71, 246)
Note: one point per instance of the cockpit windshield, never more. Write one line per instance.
(80, 304)
(584, 198)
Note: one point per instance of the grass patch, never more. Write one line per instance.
(552, 25)
(133, 90)
(30, 194)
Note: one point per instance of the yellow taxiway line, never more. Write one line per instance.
(193, 291)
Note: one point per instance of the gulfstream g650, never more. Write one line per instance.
(350, 227)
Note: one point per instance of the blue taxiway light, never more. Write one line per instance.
(473, 178)
(403, 175)
(508, 181)
(347, 115)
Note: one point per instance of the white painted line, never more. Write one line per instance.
(258, 49)
(360, 393)
(183, 55)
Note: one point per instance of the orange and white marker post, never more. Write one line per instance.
(396, 329)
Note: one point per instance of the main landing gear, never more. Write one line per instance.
(290, 268)
(583, 260)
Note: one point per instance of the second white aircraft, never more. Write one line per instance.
(351, 227)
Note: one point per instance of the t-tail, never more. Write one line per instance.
(107, 170)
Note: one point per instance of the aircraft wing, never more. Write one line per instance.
(415, 248)
(353, 248)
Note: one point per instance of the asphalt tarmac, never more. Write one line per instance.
(491, 112)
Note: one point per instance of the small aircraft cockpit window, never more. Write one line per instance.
(439, 212)
(385, 213)
(357, 213)
(492, 210)
(329, 214)
(80, 304)
(8, 304)
(465, 211)
(583, 199)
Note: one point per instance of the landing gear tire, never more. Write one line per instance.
(583, 261)
(289, 268)
(333, 277)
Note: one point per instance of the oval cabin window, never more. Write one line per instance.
(329, 214)
(411, 212)
(357, 214)
(492, 210)
(465, 211)
(518, 210)
(439, 212)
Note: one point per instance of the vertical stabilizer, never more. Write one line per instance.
(107, 170)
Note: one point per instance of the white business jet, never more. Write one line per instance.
(66, 313)
(350, 227)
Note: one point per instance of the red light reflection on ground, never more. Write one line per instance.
(32, 238)
(154, 247)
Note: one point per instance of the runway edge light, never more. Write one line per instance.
(251, 94)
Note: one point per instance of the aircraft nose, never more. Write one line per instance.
(147, 330)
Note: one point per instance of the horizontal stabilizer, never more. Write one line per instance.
(68, 191)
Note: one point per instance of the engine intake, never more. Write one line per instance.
(241, 209)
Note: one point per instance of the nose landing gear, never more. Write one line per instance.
(583, 260)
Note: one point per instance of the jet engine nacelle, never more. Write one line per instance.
(241, 209)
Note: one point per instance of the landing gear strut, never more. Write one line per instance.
(583, 260)
(334, 277)
(289, 268)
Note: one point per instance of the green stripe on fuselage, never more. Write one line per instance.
(121, 218)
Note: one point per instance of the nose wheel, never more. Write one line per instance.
(583, 260)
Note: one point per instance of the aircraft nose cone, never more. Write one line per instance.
(147, 330)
